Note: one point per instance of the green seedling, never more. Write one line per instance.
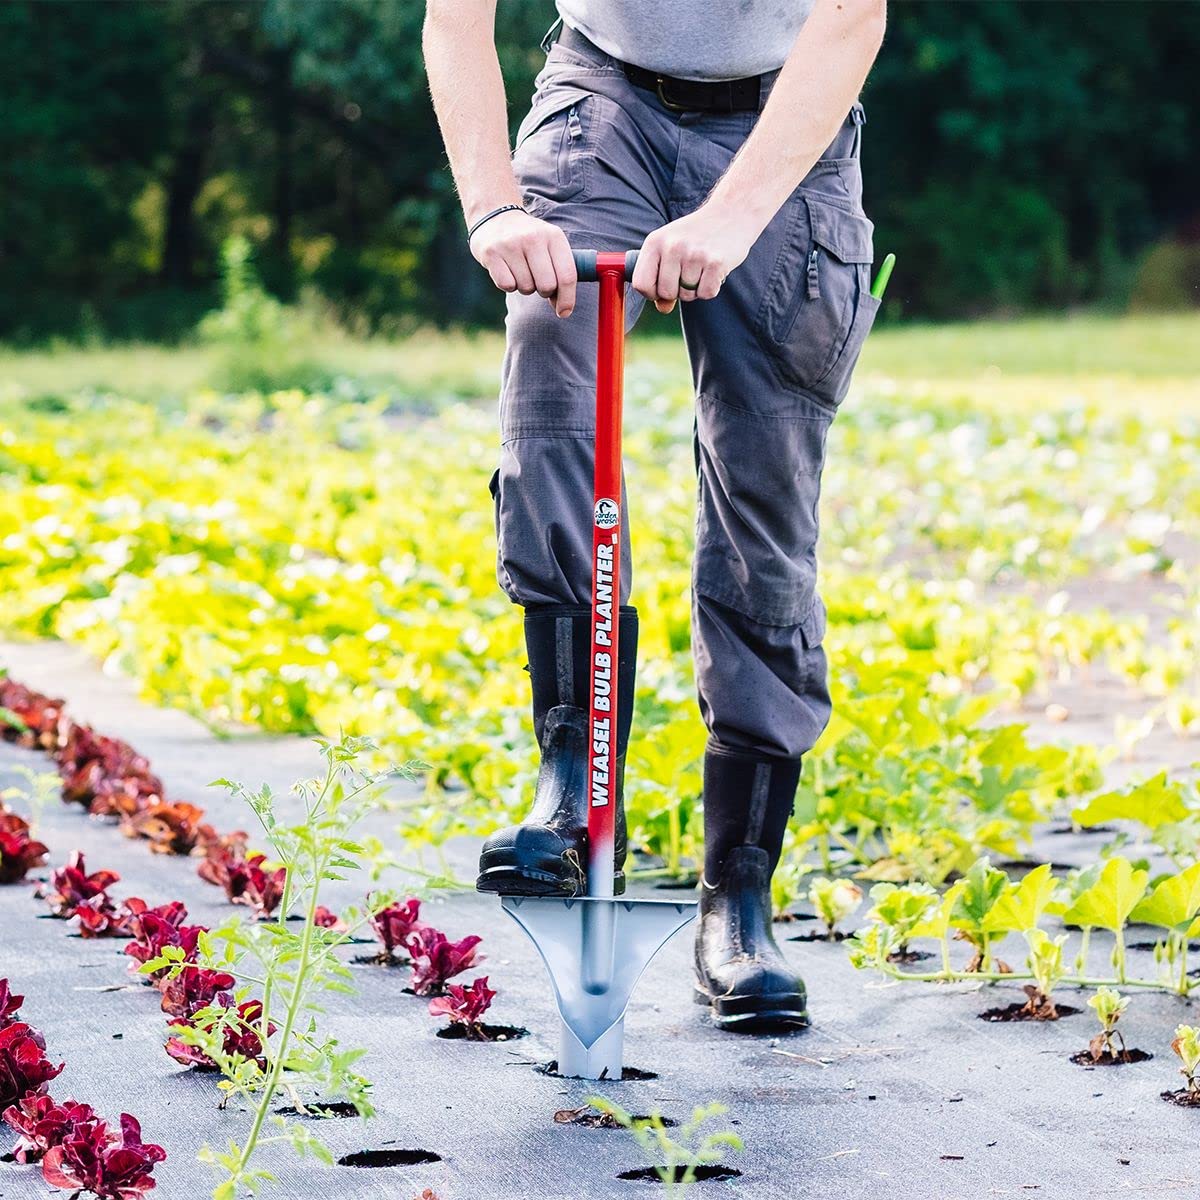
(676, 1160)
(1187, 1046)
(834, 900)
(901, 908)
(985, 905)
(785, 887)
(983, 885)
(1108, 903)
(292, 965)
(1109, 1006)
(1173, 905)
(1045, 963)
(40, 788)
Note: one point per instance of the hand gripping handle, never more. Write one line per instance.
(588, 268)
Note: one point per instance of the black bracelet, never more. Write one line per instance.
(488, 216)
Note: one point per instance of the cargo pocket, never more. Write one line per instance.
(502, 575)
(547, 157)
(818, 308)
(757, 512)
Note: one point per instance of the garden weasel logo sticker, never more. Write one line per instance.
(607, 514)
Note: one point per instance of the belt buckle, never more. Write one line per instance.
(658, 91)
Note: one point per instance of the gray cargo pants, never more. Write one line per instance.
(771, 359)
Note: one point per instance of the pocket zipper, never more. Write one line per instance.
(814, 280)
(572, 133)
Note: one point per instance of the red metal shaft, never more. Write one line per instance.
(606, 574)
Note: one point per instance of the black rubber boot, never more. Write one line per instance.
(546, 855)
(741, 973)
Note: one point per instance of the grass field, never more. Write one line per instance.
(1097, 354)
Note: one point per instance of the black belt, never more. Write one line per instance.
(681, 95)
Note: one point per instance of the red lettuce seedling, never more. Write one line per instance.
(24, 1068)
(100, 918)
(394, 925)
(170, 828)
(71, 886)
(10, 1005)
(326, 918)
(43, 1123)
(40, 715)
(92, 1159)
(195, 988)
(105, 774)
(240, 1037)
(19, 853)
(436, 959)
(154, 929)
(245, 878)
(465, 1006)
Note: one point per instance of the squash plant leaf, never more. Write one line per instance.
(1109, 901)
(1173, 903)
(983, 885)
(1021, 905)
(1153, 803)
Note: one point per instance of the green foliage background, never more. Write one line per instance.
(1020, 155)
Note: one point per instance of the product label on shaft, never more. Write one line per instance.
(607, 514)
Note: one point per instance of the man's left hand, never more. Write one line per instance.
(690, 258)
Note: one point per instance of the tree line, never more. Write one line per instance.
(1018, 155)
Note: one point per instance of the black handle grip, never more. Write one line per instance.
(585, 265)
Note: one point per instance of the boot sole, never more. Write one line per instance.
(755, 1014)
(508, 880)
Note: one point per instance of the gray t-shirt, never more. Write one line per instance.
(692, 39)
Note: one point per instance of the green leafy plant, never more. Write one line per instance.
(676, 1158)
(1173, 905)
(786, 886)
(1045, 963)
(986, 905)
(41, 787)
(1109, 1006)
(1186, 1045)
(901, 908)
(275, 1044)
(834, 901)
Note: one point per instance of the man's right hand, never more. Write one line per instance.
(523, 254)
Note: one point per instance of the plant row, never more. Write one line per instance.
(242, 999)
(75, 1147)
(986, 906)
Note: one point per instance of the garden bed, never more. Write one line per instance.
(900, 1084)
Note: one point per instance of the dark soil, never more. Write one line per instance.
(1084, 1058)
(910, 956)
(651, 1175)
(788, 917)
(321, 1110)
(1192, 946)
(1183, 1098)
(388, 1158)
(821, 936)
(1085, 831)
(1021, 1012)
(591, 1119)
(628, 1074)
(491, 1033)
(379, 960)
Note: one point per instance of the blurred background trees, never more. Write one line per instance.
(1019, 156)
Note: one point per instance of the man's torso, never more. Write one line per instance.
(692, 39)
